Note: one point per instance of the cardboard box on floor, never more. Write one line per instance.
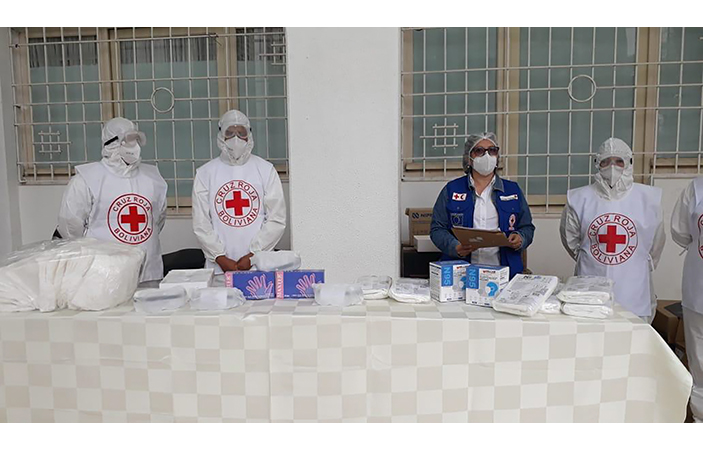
(419, 220)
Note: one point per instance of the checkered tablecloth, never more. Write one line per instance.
(283, 360)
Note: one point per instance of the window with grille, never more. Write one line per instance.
(552, 95)
(174, 83)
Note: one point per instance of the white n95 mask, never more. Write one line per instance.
(130, 155)
(485, 164)
(612, 174)
(235, 148)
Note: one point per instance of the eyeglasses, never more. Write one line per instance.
(480, 151)
(236, 130)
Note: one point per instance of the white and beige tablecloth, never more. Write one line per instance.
(283, 360)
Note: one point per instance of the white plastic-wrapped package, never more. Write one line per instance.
(216, 298)
(84, 274)
(587, 290)
(552, 305)
(327, 294)
(525, 294)
(272, 261)
(152, 301)
(589, 311)
(188, 279)
(374, 286)
(410, 290)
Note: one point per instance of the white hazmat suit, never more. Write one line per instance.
(687, 231)
(613, 228)
(238, 203)
(118, 198)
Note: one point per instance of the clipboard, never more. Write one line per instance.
(480, 238)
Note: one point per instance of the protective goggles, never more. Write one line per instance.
(239, 131)
(477, 152)
(611, 161)
(130, 139)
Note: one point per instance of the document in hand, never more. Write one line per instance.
(480, 238)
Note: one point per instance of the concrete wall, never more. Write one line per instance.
(344, 114)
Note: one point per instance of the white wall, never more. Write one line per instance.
(344, 122)
(10, 226)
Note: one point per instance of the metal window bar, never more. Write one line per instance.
(678, 162)
(108, 50)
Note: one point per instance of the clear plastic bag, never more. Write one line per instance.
(188, 279)
(587, 290)
(410, 290)
(272, 261)
(337, 294)
(374, 286)
(552, 305)
(603, 311)
(525, 294)
(216, 298)
(152, 301)
(81, 274)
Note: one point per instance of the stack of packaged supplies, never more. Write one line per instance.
(587, 296)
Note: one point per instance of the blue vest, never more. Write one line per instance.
(508, 204)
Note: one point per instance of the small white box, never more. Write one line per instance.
(423, 244)
(448, 281)
(190, 280)
(484, 283)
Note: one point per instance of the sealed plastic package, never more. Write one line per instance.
(216, 298)
(374, 286)
(82, 274)
(271, 261)
(587, 289)
(525, 294)
(152, 301)
(410, 290)
(327, 294)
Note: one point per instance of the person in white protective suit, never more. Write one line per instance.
(614, 228)
(687, 231)
(118, 198)
(238, 203)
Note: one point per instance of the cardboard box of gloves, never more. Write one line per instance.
(258, 285)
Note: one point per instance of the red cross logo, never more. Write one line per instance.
(238, 203)
(611, 239)
(130, 219)
(134, 219)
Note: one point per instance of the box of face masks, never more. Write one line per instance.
(484, 283)
(255, 285)
(297, 283)
(448, 281)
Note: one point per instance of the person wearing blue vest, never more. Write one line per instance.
(482, 200)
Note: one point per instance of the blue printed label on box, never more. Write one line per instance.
(297, 283)
(484, 283)
(255, 285)
(448, 280)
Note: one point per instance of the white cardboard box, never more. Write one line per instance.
(484, 283)
(424, 244)
(448, 281)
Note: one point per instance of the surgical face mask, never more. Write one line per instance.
(611, 174)
(486, 164)
(130, 154)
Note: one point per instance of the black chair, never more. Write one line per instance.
(188, 258)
